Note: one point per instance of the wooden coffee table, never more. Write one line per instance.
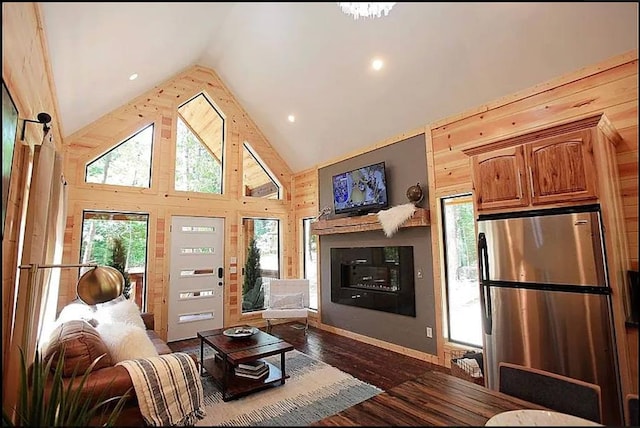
(232, 351)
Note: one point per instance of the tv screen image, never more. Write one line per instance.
(360, 190)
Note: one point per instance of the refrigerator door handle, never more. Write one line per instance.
(485, 290)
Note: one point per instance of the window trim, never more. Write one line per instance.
(223, 162)
(242, 238)
(304, 258)
(464, 198)
(137, 216)
(93, 158)
(246, 145)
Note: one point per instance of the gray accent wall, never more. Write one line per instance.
(406, 165)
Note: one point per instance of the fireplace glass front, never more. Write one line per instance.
(378, 278)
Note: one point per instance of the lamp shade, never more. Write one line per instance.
(100, 285)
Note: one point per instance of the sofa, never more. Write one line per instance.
(82, 344)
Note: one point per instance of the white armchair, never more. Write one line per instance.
(288, 299)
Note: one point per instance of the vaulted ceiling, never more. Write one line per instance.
(313, 61)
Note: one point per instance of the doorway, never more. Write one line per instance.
(196, 276)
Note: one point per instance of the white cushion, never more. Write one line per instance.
(284, 313)
(126, 341)
(76, 310)
(287, 301)
(125, 311)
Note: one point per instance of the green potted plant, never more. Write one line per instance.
(118, 260)
(252, 292)
(63, 405)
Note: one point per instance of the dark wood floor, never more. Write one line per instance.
(376, 366)
(417, 393)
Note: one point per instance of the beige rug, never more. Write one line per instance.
(314, 391)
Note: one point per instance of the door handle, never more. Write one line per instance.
(220, 272)
(485, 290)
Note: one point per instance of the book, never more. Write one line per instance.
(252, 372)
(254, 375)
(252, 365)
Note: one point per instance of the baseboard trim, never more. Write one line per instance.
(423, 356)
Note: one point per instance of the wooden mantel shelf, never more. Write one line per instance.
(364, 223)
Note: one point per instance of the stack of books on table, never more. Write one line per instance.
(252, 369)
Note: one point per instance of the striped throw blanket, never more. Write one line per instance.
(168, 388)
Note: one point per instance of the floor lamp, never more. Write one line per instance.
(97, 285)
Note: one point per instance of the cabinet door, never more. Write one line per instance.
(562, 168)
(498, 179)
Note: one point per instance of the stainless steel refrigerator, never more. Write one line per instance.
(545, 297)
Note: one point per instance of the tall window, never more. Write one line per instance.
(199, 147)
(262, 260)
(119, 240)
(127, 164)
(257, 180)
(463, 296)
(310, 268)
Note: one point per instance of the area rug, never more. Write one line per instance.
(314, 391)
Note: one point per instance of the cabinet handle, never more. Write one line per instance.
(533, 192)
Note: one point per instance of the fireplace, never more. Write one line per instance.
(379, 278)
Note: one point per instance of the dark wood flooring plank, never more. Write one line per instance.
(366, 362)
(417, 393)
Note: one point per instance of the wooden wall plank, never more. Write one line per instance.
(578, 99)
(610, 88)
(159, 106)
(572, 76)
(26, 72)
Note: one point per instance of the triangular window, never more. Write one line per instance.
(127, 164)
(199, 147)
(257, 180)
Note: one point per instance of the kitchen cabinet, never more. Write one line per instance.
(565, 165)
(498, 179)
(562, 168)
(535, 170)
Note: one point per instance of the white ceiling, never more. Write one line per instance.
(313, 61)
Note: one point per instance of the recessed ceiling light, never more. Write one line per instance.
(291, 118)
(377, 64)
(134, 76)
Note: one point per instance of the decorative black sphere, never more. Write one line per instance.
(415, 193)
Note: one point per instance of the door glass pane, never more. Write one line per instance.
(118, 240)
(311, 262)
(463, 295)
(262, 260)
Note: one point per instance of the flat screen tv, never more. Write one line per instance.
(360, 191)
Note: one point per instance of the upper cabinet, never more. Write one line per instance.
(499, 177)
(562, 168)
(554, 166)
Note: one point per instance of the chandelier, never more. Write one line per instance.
(366, 10)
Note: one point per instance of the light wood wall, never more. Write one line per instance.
(610, 87)
(304, 189)
(159, 106)
(27, 75)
